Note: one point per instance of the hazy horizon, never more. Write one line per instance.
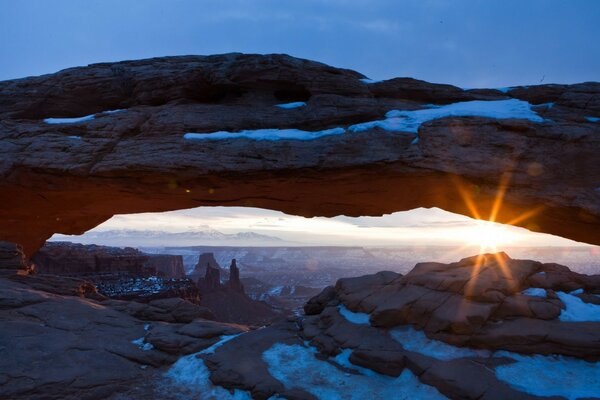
(416, 227)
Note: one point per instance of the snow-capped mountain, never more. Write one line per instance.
(207, 236)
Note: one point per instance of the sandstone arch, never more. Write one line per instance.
(68, 178)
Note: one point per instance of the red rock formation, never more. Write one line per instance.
(137, 160)
(165, 265)
(73, 259)
(204, 261)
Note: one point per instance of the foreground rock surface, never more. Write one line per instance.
(67, 347)
(137, 160)
(456, 328)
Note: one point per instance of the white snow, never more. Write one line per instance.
(74, 137)
(415, 340)
(536, 374)
(577, 310)
(410, 121)
(190, 372)
(551, 375)
(535, 292)
(577, 291)
(504, 89)
(142, 344)
(289, 106)
(592, 119)
(395, 121)
(70, 120)
(78, 120)
(147, 327)
(265, 134)
(297, 366)
(367, 80)
(353, 317)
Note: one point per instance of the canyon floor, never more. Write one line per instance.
(485, 327)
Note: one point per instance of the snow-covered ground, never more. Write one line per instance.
(536, 374)
(190, 372)
(297, 366)
(395, 121)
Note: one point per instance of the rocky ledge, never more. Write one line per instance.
(486, 327)
(278, 132)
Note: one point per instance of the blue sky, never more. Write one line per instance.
(464, 42)
(468, 43)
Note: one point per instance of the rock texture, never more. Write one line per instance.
(67, 347)
(484, 301)
(229, 302)
(73, 259)
(453, 326)
(70, 177)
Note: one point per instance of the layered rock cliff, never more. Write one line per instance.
(81, 145)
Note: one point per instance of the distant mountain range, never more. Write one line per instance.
(141, 238)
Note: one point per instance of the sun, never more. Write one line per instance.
(489, 236)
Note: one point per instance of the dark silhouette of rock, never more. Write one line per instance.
(234, 282)
(142, 163)
(204, 260)
(165, 265)
(228, 301)
(211, 281)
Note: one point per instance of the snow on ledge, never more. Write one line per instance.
(353, 317)
(266, 134)
(367, 80)
(577, 310)
(396, 121)
(411, 121)
(289, 106)
(77, 120)
(593, 119)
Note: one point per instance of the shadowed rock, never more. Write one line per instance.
(137, 160)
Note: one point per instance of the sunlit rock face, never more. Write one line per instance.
(292, 135)
(487, 327)
(489, 301)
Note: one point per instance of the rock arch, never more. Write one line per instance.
(118, 146)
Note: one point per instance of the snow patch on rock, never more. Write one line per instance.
(289, 106)
(297, 366)
(550, 375)
(534, 292)
(265, 134)
(191, 372)
(415, 340)
(353, 317)
(577, 310)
